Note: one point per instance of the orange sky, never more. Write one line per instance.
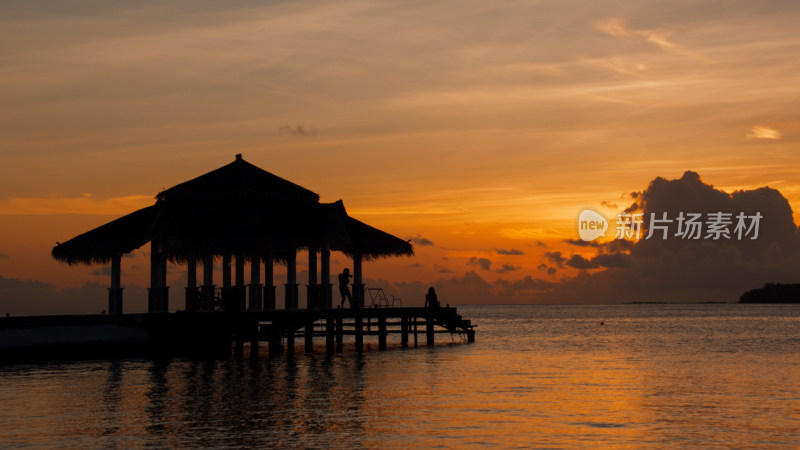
(480, 127)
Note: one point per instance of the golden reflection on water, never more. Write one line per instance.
(538, 377)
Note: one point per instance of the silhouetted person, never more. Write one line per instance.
(431, 300)
(344, 286)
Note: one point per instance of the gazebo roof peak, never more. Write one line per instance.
(238, 178)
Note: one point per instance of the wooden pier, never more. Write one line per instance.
(207, 333)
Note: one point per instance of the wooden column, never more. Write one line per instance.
(291, 281)
(269, 283)
(192, 299)
(207, 294)
(153, 292)
(241, 291)
(312, 290)
(255, 283)
(158, 295)
(115, 291)
(326, 288)
(227, 293)
(358, 287)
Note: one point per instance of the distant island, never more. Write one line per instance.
(773, 293)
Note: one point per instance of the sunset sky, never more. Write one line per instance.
(477, 129)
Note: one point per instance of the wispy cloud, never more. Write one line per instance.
(85, 204)
(512, 251)
(298, 130)
(763, 132)
(484, 263)
(419, 240)
(618, 27)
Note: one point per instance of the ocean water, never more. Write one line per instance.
(633, 376)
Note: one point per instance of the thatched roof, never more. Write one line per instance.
(117, 237)
(370, 242)
(236, 209)
(239, 178)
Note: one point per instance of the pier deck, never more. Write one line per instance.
(45, 337)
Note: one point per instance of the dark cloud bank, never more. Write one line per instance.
(656, 270)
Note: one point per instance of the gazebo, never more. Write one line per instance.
(234, 214)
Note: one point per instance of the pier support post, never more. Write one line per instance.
(404, 331)
(115, 291)
(416, 338)
(290, 341)
(159, 292)
(240, 304)
(326, 288)
(309, 337)
(227, 294)
(207, 293)
(274, 348)
(239, 348)
(269, 282)
(312, 290)
(291, 281)
(429, 339)
(358, 286)
(359, 332)
(339, 333)
(382, 333)
(192, 298)
(255, 287)
(254, 348)
(329, 336)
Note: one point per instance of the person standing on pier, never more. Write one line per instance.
(431, 300)
(344, 288)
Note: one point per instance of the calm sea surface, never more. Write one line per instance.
(538, 376)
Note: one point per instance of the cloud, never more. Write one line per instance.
(33, 297)
(603, 260)
(85, 204)
(555, 258)
(483, 262)
(105, 271)
(608, 204)
(470, 288)
(684, 270)
(619, 28)
(507, 268)
(761, 132)
(419, 240)
(299, 130)
(441, 269)
(512, 251)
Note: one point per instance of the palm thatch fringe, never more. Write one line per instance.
(99, 245)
